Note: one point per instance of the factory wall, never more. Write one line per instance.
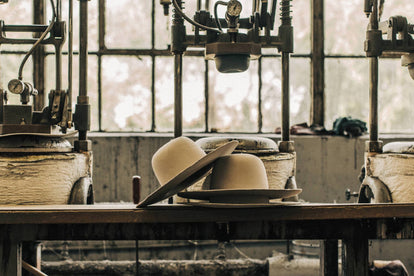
(326, 165)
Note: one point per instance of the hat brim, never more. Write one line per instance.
(240, 196)
(242, 205)
(189, 176)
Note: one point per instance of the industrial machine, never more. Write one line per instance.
(388, 168)
(232, 42)
(33, 142)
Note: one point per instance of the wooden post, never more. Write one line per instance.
(355, 260)
(11, 258)
(329, 258)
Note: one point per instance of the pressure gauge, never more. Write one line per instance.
(16, 86)
(234, 8)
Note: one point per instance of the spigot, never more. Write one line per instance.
(166, 4)
(349, 194)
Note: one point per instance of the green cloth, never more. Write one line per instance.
(348, 126)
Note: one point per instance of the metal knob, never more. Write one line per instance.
(349, 194)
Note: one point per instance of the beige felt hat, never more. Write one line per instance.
(180, 163)
(238, 179)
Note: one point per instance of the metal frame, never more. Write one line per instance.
(317, 58)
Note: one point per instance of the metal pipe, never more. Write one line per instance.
(83, 47)
(39, 13)
(285, 97)
(58, 66)
(83, 59)
(70, 61)
(178, 30)
(178, 91)
(206, 96)
(373, 99)
(102, 28)
(153, 98)
(59, 10)
(259, 104)
(35, 28)
(373, 84)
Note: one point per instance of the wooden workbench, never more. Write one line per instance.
(354, 224)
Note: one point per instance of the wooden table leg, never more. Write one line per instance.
(11, 258)
(355, 260)
(329, 258)
(32, 254)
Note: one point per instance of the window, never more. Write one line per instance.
(130, 71)
(346, 69)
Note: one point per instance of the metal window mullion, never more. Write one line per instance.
(39, 57)
(259, 105)
(317, 115)
(153, 98)
(102, 47)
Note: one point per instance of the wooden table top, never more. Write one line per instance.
(127, 213)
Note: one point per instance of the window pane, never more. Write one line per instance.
(403, 8)
(271, 92)
(345, 26)
(126, 95)
(233, 100)
(164, 93)
(346, 89)
(128, 24)
(162, 27)
(395, 97)
(16, 13)
(193, 93)
(301, 26)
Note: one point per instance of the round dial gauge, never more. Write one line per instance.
(234, 8)
(16, 86)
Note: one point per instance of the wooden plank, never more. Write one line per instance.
(127, 213)
(119, 162)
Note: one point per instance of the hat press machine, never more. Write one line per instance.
(30, 137)
(232, 51)
(388, 169)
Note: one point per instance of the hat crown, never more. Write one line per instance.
(239, 171)
(174, 157)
